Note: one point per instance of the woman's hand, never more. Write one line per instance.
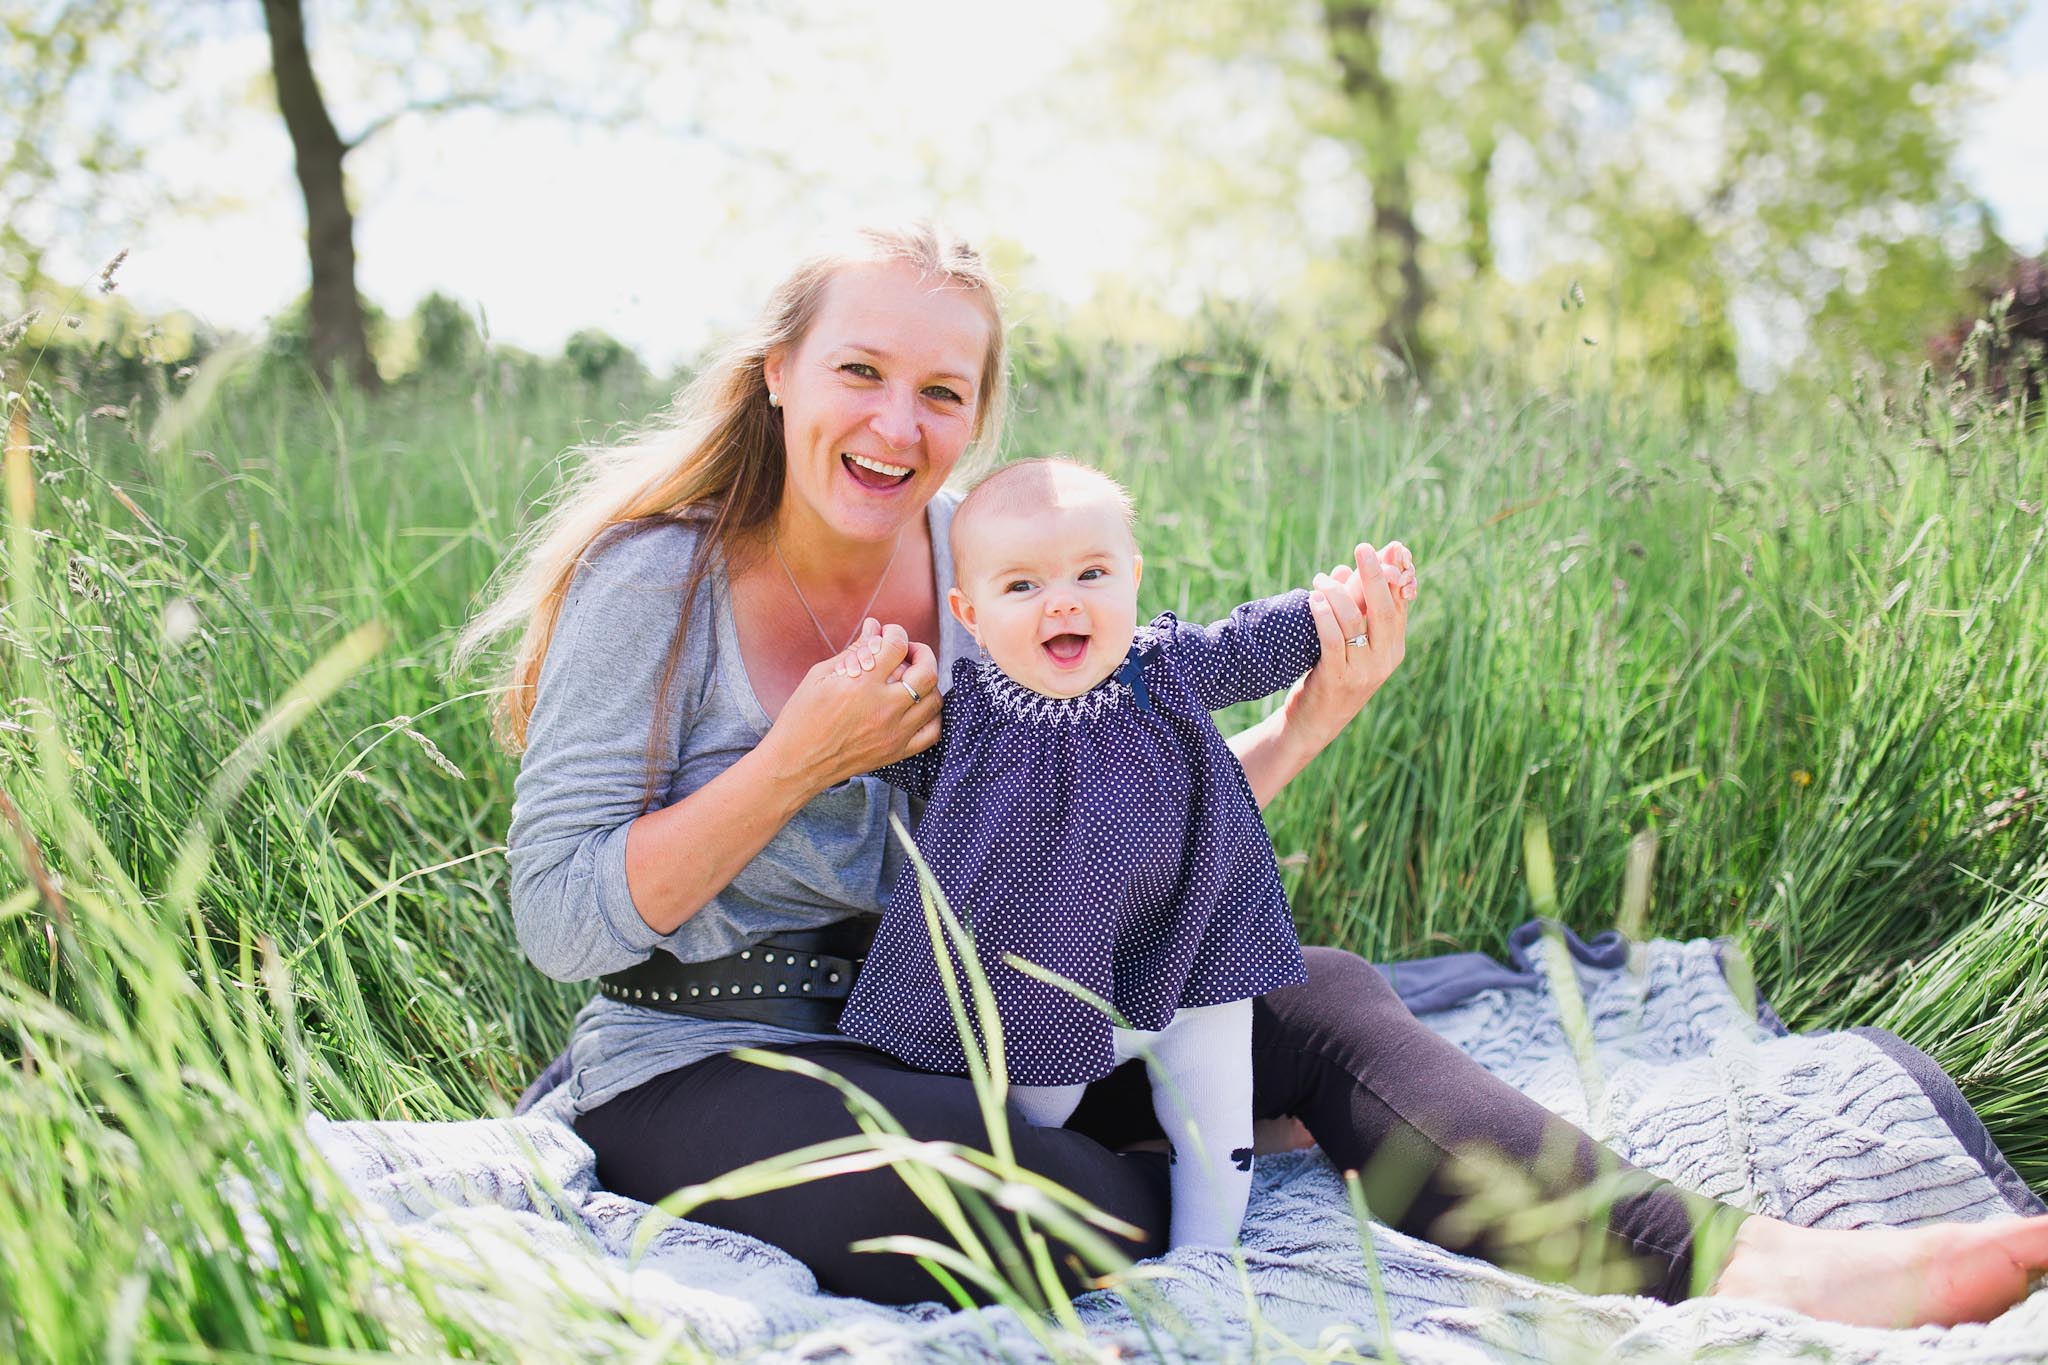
(1361, 618)
(856, 711)
(1369, 602)
(835, 725)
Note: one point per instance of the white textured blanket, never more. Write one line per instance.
(1837, 1130)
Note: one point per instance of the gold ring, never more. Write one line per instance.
(915, 695)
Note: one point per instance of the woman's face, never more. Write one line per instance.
(879, 399)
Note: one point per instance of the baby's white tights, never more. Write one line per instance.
(1201, 1070)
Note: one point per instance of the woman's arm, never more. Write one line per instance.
(832, 727)
(1346, 604)
(597, 880)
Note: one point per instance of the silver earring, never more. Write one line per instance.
(774, 399)
(981, 649)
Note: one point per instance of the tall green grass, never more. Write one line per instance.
(1803, 649)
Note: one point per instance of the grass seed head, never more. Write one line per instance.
(107, 285)
(13, 331)
(180, 622)
(404, 725)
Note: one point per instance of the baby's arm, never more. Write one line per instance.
(1266, 645)
(1261, 648)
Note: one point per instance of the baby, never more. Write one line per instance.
(1084, 814)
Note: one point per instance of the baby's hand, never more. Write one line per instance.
(862, 655)
(1399, 565)
(859, 657)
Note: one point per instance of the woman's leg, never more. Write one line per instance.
(720, 1114)
(1445, 1150)
(1423, 1124)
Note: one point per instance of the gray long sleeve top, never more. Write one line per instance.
(584, 775)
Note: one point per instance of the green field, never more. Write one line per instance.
(1803, 646)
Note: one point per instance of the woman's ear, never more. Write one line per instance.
(963, 608)
(771, 369)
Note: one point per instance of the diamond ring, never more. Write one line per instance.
(1358, 641)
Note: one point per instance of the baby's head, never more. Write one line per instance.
(1047, 571)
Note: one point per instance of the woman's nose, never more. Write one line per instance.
(895, 417)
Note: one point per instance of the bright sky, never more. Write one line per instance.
(665, 239)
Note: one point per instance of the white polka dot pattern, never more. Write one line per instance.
(1110, 838)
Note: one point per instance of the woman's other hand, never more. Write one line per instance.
(1361, 616)
(856, 711)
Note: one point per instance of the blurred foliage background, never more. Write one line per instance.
(1746, 191)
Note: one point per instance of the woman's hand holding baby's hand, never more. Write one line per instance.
(854, 712)
(860, 656)
(1369, 605)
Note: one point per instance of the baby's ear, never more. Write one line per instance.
(963, 608)
(1137, 569)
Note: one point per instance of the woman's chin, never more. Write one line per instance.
(867, 516)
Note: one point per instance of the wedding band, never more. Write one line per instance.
(1358, 641)
(915, 695)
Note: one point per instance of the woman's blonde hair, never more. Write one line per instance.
(715, 460)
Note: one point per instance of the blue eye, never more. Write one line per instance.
(941, 391)
(861, 368)
(1018, 585)
(1089, 575)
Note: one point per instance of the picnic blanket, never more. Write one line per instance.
(1689, 1077)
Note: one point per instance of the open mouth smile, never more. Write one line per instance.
(875, 474)
(1066, 651)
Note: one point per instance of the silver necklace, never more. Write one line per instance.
(776, 541)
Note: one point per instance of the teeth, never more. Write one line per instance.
(894, 471)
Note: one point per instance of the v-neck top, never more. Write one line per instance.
(1109, 838)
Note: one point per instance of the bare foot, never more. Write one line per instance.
(1888, 1277)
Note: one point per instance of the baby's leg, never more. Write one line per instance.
(1201, 1068)
(1047, 1106)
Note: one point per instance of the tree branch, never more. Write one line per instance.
(475, 99)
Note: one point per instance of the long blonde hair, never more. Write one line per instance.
(714, 459)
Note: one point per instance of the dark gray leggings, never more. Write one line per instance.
(1444, 1150)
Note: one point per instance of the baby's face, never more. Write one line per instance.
(1051, 592)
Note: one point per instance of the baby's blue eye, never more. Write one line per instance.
(1018, 585)
(1088, 575)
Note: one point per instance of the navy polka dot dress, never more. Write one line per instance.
(1110, 837)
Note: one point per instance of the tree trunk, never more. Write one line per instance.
(1485, 138)
(1353, 26)
(1479, 207)
(336, 317)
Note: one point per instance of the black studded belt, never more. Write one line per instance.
(798, 979)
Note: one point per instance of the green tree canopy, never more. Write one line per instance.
(1686, 159)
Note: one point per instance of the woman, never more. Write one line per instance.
(691, 825)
